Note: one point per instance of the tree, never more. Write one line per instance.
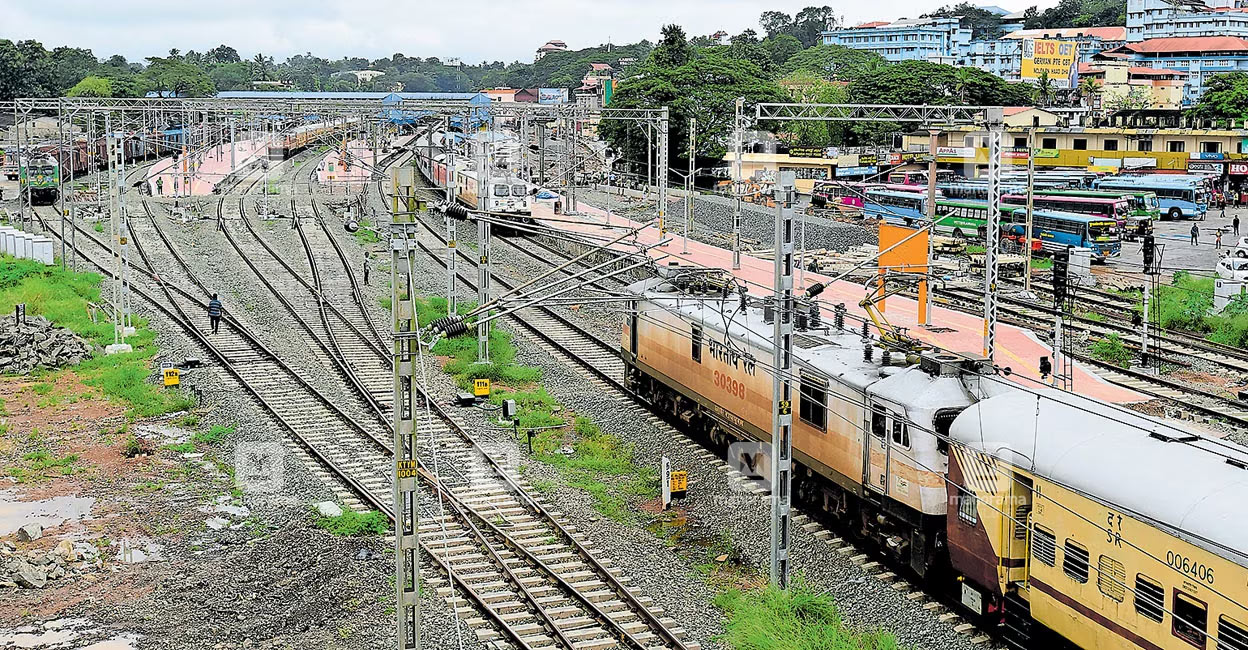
(673, 49)
(775, 23)
(962, 81)
(91, 87)
(745, 46)
(807, 87)
(1081, 13)
(781, 48)
(984, 24)
(1225, 96)
(231, 76)
(705, 87)
(261, 67)
(833, 62)
(1044, 88)
(69, 65)
(222, 54)
(1135, 99)
(181, 79)
(809, 24)
(1088, 89)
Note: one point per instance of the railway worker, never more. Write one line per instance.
(160, 186)
(1195, 235)
(214, 313)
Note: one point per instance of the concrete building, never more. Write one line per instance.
(1178, 18)
(1002, 57)
(937, 40)
(1091, 40)
(1120, 78)
(550, 46)
(1196, 58)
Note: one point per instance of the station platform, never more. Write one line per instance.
(1016, 348)
(204, 170)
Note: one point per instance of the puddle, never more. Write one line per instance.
(64, 633)
(138, 551)
(47, 512)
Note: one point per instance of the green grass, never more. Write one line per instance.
(41, 464)
(64, 297)
(213, 435)
(975, 249)
(1112, 350)
(353, 524)
(98, 227)
(463, 365)
(1186, 303)
(384, 301)
(799, 619)
(1041, 263)
(182, 447)
(188, 421)
(366, 234)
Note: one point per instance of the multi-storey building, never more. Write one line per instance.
(1002, 57)
(1195, 58)
(1178, 18)
(1090, 39)
(1119, 78)
(937, 40)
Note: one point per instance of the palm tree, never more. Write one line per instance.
(962, 83)
(1089, 88)
(260, 66)
(1044, 88)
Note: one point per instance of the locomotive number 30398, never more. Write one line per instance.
(729, 385)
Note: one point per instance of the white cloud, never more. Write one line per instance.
(491, 30)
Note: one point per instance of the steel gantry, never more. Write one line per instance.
(924, 116)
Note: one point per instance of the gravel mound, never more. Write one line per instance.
(37, 343)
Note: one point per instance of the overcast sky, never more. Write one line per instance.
(476, 30)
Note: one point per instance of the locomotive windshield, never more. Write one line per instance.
(501, 190)
(517, 190)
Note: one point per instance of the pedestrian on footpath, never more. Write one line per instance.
(1235, 225)
(1195, 235)
(1217, 239)
(1223, 215)
(214, 313)
(366, 270)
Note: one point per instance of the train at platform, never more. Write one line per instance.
(509, 194)
(1054, 518)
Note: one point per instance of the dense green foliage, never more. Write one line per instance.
(353, 524)
(798, 619)
(982, 22)
(68, 299)
(1079, 13)
(1225, 97)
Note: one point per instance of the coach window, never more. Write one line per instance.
(1231, 635)
(1150, 598)
(1190, 619)
(696, 343)
(1075, 561)
(813, 407)
(1080, 144)
(1111, 579)
(968, 512)
(1043, 546)
(879, 421)
(901, 433)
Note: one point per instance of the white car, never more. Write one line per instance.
(1234, 268)
(1241, 248)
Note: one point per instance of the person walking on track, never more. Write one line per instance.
(160, 186)
(366, 270)
(214, 313)
(1195, 235)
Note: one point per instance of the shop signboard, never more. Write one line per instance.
(1211, 155)
(1237, 168)
(955, 152)
(1046, 153)
(1205, 167)
(862, 170)
(552, 95)
(810, 152)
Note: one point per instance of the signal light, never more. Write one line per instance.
(1061, 275)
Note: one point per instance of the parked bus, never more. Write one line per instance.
(853, 192)
(1115, 208)
(894, 205)
(1179, 196)
(1059, 230)
(919, 177)
(1145, 208)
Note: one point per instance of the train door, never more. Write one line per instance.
(877, 448)
(1015, 529)
(632, 328)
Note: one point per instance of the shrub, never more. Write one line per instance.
(353, 524)
(1112, 350)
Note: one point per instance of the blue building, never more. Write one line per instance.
(937, 40)
(1002, 57)
(1197, 57)
(1176, 18)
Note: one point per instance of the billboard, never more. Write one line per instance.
(552, 95)
(1060, 59)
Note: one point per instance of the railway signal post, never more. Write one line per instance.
(995, 117)
(782, 390)
(483, 243)
(403, 251)
(738, 134)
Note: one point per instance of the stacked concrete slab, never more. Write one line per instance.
(24, 245)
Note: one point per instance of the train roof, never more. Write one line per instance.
(1166, 474)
